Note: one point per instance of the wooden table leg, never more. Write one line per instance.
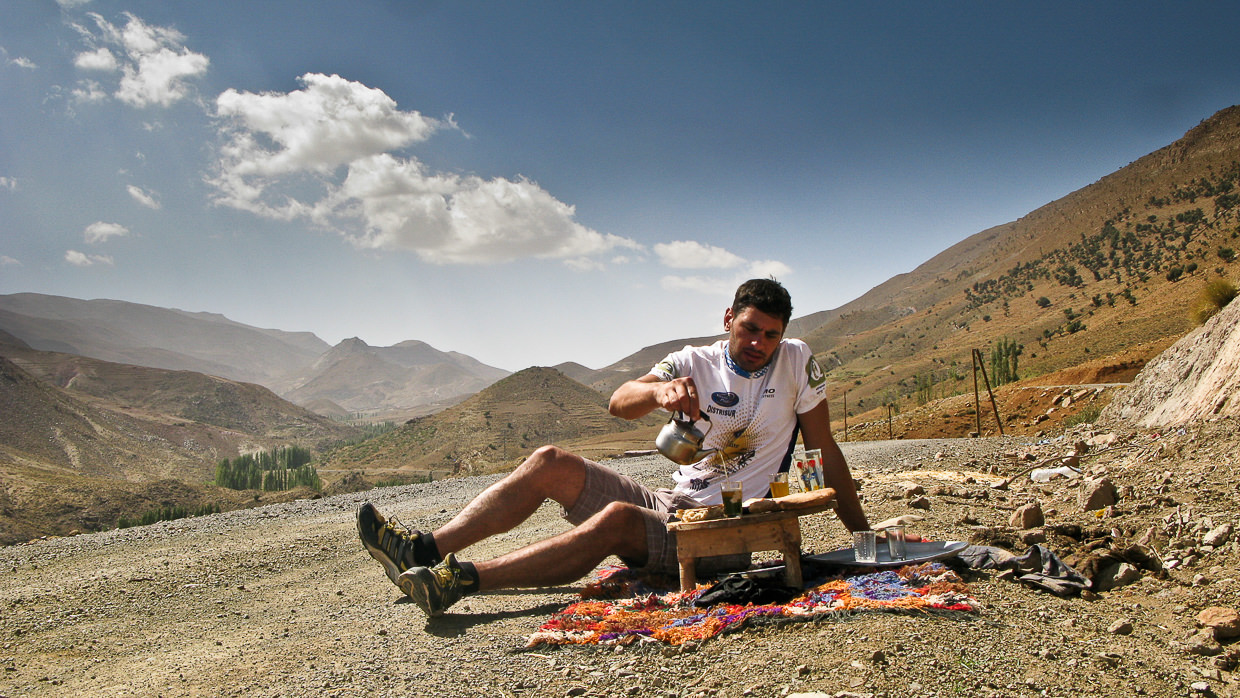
(688, 573)
(792, 566)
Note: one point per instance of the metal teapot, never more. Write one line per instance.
(681, 442)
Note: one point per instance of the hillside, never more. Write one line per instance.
(84, 442)
(493, 430)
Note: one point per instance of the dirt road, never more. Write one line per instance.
(282, 601)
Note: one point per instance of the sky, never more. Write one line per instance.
(530, 183)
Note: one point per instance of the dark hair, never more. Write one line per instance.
(767, 295)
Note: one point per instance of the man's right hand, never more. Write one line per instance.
(679, 395)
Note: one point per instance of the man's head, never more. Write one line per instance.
(756, 322)
(767, 295)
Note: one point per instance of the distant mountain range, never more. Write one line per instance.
(347, 378)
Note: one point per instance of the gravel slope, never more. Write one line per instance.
(283, 601)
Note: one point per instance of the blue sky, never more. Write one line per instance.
(532, 183)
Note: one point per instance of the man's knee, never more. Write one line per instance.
(557, 473)
(621, 527)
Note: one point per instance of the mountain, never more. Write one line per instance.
(409, 378)
(493, 430)
(144, 335)
(359, 377)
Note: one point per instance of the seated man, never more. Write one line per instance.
(758, 388)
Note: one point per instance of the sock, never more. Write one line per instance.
(469, 578)
(425, 552)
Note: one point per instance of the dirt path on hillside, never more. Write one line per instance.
(282, 601)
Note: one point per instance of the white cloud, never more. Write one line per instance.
(9, 183)
(23, 62)
(70, 4)
(89, 91)
(99, 231)
(688, 254)
(7, 261)
(725, 284)
(79, 259)
(143, 197)
(154, 63)
(324, 153)
(100, 59)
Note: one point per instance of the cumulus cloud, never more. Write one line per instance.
(80, 259)
(143, 197)
(99, 231)
(8, 183)
(100, 59)
(688, 254)
(326, 153)
(7, 261)
(153, 62)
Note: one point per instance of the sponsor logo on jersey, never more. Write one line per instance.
(816, 376)
(725, 399)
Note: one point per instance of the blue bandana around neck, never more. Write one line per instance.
(742, 372)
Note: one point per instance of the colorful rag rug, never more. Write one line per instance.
(610, 613)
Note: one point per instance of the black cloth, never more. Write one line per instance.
(740, 590)
(1038, 567)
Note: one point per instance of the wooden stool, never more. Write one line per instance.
(776, 530)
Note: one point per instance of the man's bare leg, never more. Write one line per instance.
(548, 473)
(619, 529)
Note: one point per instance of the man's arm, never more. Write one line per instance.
(639, 397)
(816, 432)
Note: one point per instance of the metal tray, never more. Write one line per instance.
(917, 554)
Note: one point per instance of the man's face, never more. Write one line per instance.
(753, 337)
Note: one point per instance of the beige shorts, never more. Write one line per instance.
(604, 486)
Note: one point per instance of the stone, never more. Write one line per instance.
(1222, 621)
(919, 503)
(1217, 536)
(1096, 494)
(1028, 516)
(1203, 644)
(911, 489)
(1120, 627)
(1033, 536)
(1115, 576)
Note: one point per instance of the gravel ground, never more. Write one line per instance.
(283, 601)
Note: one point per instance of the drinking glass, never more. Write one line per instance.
(732, 498)
(896, 543)
(779, 485)
(865, 546)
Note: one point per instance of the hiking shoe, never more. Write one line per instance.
(436, 588)
(393, 545)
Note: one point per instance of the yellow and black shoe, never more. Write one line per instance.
(436, 588)
(394, 546)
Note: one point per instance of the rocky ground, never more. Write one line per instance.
(282, 600)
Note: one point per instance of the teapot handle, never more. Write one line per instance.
(685, 418)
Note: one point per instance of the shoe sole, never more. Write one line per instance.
(389, 566)
(417, 592)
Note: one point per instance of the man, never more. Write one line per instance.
(758, 389)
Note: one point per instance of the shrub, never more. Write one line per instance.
(1213, 297)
